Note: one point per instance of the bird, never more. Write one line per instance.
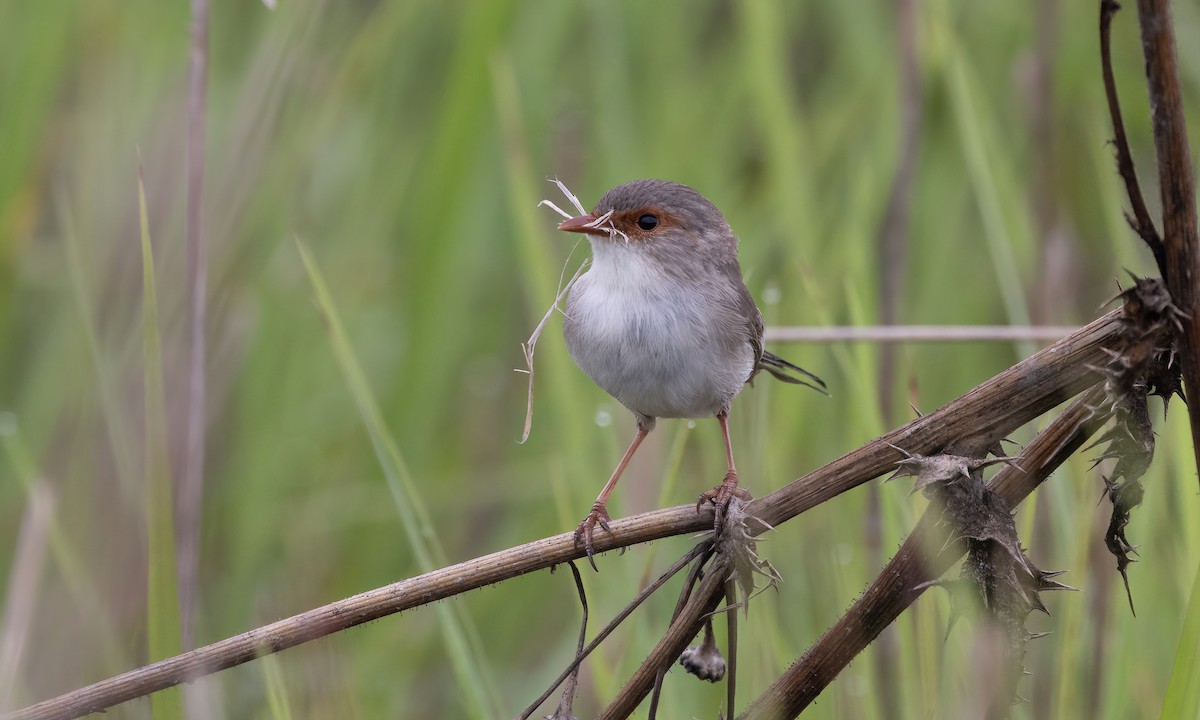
(663, 322)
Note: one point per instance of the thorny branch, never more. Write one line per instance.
(906, 576)
(1137, 365)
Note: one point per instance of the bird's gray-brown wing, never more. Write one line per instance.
(748, 309)
(763, 360)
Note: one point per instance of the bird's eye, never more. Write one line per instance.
(648, 222)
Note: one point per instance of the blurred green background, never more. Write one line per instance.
(406, 144)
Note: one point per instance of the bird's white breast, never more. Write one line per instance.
(661, 348)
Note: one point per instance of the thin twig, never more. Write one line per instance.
(702, 549)
(731, 637)
(991, 410)
(905, 577)
(917, 333)
(568, 696)
(1141, 222)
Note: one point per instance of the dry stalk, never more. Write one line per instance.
(1177, 190)
(992, 410)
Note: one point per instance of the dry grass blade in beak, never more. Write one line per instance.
(528, 347)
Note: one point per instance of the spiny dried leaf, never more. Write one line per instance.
(996, 577)
(1142, 364)
(738, 547)
(1124, 496)
(1163, 377)
(941, 469)
(964, 599)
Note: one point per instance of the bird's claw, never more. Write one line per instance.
(598, 516)
(720, 497)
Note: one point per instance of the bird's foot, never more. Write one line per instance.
(721, 495)
(598, 516)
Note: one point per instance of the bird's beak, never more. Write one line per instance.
(582, 224)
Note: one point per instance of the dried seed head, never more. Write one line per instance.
(704, 660)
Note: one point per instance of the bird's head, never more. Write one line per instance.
(656, 214)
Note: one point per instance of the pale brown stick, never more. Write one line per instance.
(918, 333)
(1019, 394)
(1012, 398)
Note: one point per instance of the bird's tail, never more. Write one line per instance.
(780, 368)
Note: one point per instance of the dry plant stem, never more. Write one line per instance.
(358, 609)
(1142, 223)
(977, 419)
(918, 333)
(1178, 192)
(995, 408)
(191, 489)
(899, 584)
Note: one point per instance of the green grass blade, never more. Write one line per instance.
(277, 694)
(1183, 692)
(162, 591)
(461, 639)
(1002, 225)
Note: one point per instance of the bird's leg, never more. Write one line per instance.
(721, 494)
(599, 513)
